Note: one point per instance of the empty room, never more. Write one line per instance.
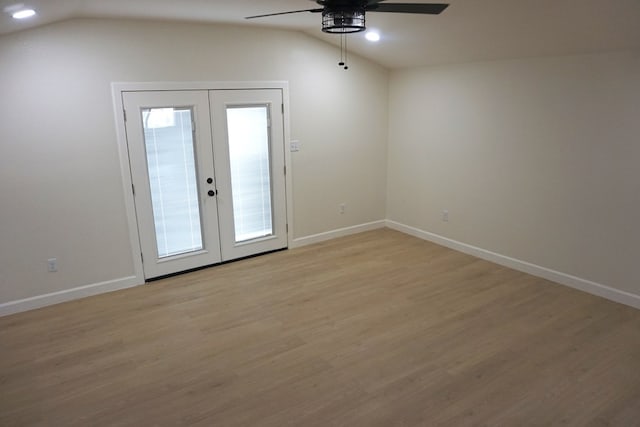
(319, 213)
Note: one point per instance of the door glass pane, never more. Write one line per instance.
(248, 129)
(171, 166)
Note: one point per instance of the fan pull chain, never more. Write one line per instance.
(343, 51)
(346, 67)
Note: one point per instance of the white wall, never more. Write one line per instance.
(60, 184)
(535, 159)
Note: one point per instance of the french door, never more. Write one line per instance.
(208, 175)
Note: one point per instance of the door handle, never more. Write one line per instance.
(212, 192)
(209, 180)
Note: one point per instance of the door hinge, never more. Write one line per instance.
(141, 257)
(193, 126)
(285, 169)
(282, 108)
(133, 188)
(124, 114)
(287, 227)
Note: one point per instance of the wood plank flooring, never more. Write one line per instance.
(375, 329)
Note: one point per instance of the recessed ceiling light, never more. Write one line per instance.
(23, 14)
(372, 36)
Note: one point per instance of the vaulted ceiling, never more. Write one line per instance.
(469, 30)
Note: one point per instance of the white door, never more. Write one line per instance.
(190, 214)
(169, 140)
(248, 150)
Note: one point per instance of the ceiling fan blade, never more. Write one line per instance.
(285, 13)
(424, 8)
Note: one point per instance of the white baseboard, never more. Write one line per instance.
(39, 301)
(340, 232)
(588, 286)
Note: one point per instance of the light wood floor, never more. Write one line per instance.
(376, 329)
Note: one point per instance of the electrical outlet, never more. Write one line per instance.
(445, 215)
(53, 265)
(342, 208)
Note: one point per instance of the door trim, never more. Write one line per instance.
(117, 88)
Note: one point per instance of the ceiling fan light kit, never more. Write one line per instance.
(343, 21)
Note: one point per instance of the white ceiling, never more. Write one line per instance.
(469, 30)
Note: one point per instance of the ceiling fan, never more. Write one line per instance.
(348, 16)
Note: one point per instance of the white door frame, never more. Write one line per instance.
(117, 88)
